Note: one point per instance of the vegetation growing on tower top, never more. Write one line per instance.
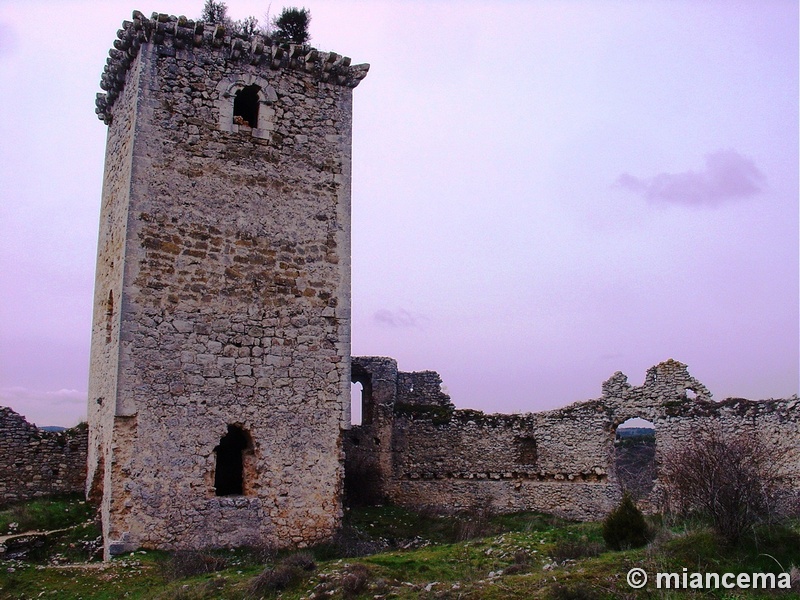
(291, 26)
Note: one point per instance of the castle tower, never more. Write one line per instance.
(220, 367)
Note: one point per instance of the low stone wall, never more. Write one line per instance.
(415, 449)
(35, 462)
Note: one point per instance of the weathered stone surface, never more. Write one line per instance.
(35, 462)
(222, 292)
(414, 449)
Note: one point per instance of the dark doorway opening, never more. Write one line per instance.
(229, 474)
(245, 105)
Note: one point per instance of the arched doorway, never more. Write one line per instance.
(229, 478)
(635, 457)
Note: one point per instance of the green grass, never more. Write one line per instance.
(424, 556)
(45, 514)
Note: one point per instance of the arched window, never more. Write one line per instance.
(362, 405)
(229, 472)
(245, 106)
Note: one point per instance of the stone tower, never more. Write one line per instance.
(220, 366)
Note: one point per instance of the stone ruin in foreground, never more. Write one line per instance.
(219, 396)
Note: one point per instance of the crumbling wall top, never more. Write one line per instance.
(171, 34)
(665, 380)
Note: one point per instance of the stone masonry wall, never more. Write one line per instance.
(36, 463)
(225, 245)
(559, 461)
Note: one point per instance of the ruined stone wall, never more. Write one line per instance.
(36, 463)
(559, 461)
(227, 242)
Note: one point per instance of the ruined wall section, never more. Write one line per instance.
(555, 461)
(368, 447)
(235, 301)
(559, 461)
(775, 423)
(36, 463)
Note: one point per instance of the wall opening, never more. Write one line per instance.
(245, 106)
(356, 400)
(109, 315)
(361, 403)
(635, 457)
(229, 471)
(526, 450)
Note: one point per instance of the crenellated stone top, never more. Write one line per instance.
(171, 34)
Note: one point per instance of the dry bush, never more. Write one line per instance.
(355, 580)
(274, 579)
(286, 573)
(476, 522)
(189, 563)
(302, 560)
(734, 480)
(565, 550)
(521, 563)
(348, 542)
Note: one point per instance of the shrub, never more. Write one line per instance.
(521, 563)
(292, 25)
(286, 573)
(274, 579)
(215, 11)
(349, 542)
(188, 563)
(565, 550)
(355, 580)
(302, 560)
(625, 526)
(473, 525)
(733, 480)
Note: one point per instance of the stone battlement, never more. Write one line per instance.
(172, 34)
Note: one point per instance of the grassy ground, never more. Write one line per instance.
(411, 555)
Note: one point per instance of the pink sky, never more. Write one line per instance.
(543, 193)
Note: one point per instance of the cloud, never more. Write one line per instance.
(727, 176)
(57, 407)
(400, 318)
